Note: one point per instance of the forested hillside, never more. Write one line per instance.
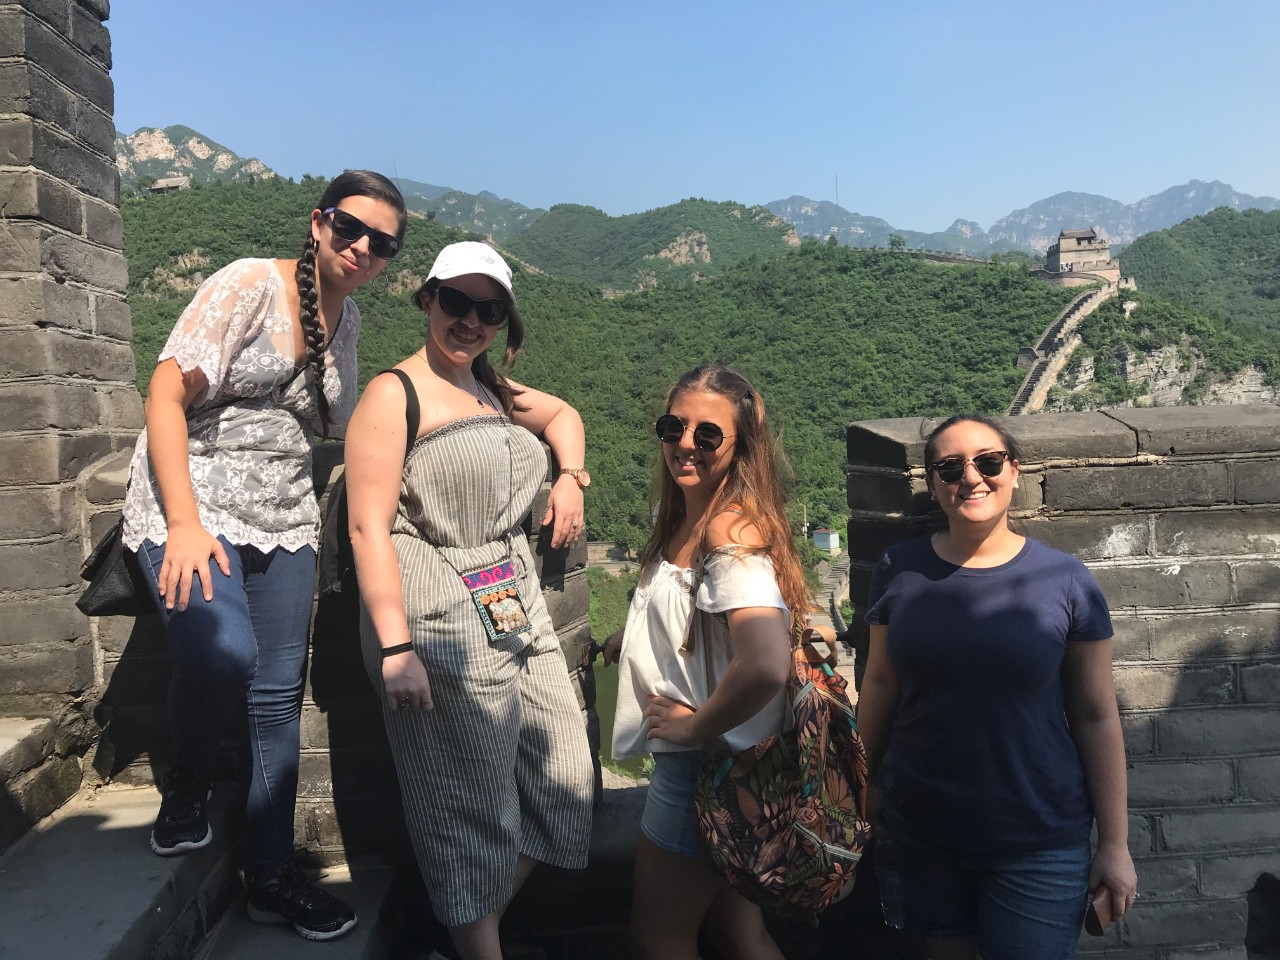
(829, 334)
(1227, 263)
(689, 239)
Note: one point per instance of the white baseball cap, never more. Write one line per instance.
(471, 256)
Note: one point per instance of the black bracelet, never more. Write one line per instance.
(398, 648)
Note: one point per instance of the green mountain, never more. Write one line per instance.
(484, 214)
(692, 239)
(151, 154)
(1226, 263)
(829, 334)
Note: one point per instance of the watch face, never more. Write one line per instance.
(584, 478)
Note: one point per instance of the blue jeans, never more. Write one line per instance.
(668, 819)
(1014, 905)
(246, 647)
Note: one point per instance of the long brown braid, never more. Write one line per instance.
(309, 316)
(352, 183)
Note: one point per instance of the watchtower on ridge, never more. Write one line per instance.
(1082, 251)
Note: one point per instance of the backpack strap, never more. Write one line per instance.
(412, 412)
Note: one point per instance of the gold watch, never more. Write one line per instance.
(579, 474)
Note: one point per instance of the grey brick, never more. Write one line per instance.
(1213, 830)
(1109, 536)
(1205, 636)
(33, 744)
(37, 301)
(867, 538)
(1150, 687)
(90, 36)
(1258, 582)
(49, 457)
(111, 317)
(1257, 481)
(28, 513)
(552, 565)
(569, 602)
(100, 8)
(1219, 731)
(575, 641)
(40, 620)
(1219, 532)
(1260, 780)
(105, 482)
(103, 224)
(1157, 785)
(1169, 431)
(1235, 875)
(41, 406)
(1132, 638)
(75, 259)
(1141, 835)
(29, 353)
(1168, 877)
(1260, 682)
(41, 566)
(1139, 734)
(1200, 583)
(881, 492)
(1212, 952)
(887, 443)
(34, 668)
(25, 141)
(22, 36)
(1184, 923)
(53, 12)
(21, 244)
(1138, 485)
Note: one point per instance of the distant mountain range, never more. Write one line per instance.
(150, 153)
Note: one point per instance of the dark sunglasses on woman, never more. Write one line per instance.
(707, 437)
(951, 470)
(346, 227)
(492, 313)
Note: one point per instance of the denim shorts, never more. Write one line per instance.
(1014, 905)
(668, 818)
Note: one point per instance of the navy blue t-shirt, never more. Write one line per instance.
(980, 757)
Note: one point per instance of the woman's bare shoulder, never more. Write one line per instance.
(733, 528)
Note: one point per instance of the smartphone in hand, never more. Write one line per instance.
(1097, 914)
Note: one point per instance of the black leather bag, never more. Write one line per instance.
(116, 585)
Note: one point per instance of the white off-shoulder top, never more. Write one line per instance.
(657, 623)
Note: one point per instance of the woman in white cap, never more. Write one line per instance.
(488, 738)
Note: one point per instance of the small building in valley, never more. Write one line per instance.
(171, 184)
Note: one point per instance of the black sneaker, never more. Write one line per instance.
(315, 914)
(183, 821)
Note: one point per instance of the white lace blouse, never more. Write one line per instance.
(250, 434)
(657, 622)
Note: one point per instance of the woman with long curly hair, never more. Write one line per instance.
(721, 552)
(223, 518)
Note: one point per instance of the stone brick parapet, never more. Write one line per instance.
(1177, 513)
(67, 395)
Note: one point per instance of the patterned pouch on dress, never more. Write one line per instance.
(496, 593)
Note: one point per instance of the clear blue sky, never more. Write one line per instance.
(925, 111)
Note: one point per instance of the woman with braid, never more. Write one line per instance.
(223, 518)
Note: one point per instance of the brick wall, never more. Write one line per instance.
(1177, 513)
(67, 394)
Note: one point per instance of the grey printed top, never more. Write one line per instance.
(250, 434)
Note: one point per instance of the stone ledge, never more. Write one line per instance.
(84, 884)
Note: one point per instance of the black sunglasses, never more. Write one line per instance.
(951, 470)
(706, 436)
(346, 227)
(492, 313)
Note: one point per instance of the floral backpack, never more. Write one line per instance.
(785, 821)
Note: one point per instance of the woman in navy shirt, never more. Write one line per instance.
(989, 685)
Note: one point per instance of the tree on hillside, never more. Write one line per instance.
(897, 241)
